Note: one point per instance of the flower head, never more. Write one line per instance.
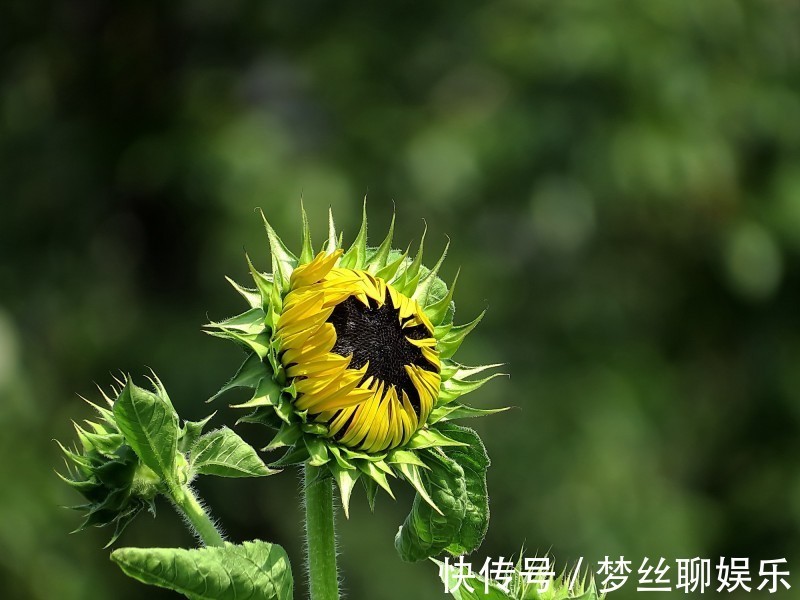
(350, 356)
(362, 354)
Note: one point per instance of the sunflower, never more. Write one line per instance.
(350, 356)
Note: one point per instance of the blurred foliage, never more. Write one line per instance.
(622, 185)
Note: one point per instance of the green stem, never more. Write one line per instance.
(187, 503)
(320, 536)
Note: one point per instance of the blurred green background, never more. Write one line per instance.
(621, 183)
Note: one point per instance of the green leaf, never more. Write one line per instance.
(150, 426)
(455, 483)
(225, 454)
(472, 458)
(254, 570)
(425, 532)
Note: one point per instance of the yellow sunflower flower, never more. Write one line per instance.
(350, 356)
(363, 355)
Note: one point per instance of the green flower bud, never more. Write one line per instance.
(108, 473)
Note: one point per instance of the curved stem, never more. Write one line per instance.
(188, 504)
(320, 536)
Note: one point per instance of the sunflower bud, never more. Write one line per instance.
(350, 356)
(136, 449)
(117, 486)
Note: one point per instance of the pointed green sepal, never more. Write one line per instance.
(287, 436)
(377, 475)
(264, 283)
(283, 261)
(452, 369)
(250, 322)
(268, 393)
(395, 261)
(346, 480)
(411, 474)
(371, 488)
(317, 451)
(340, 459)
(296, 455)
(331, 244)
(401, 456)
(381, 256)
(455, 388)
(422, 291)
(306, 248)
(356, 255)
(264, 415)
(430, 437)
(405, 280)
(451, 412)
(285, 411)
(257, 342)
(253, 297)
(252, 371)
(439, 310)
(450, 337)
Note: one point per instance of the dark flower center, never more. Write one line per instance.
(376, 334)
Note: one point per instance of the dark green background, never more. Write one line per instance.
(621, 184)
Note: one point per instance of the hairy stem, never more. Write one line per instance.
(320, 536)
(188, 504)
